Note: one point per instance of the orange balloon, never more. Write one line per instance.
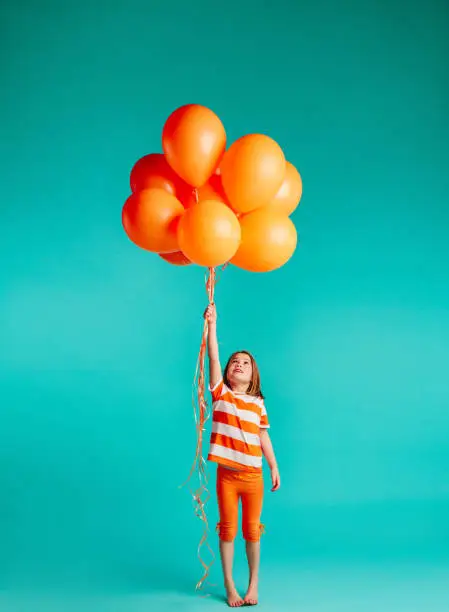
(177, 258)
(209, 233)
(287, 198)
(252, 171)
(268, 241)
(193, 140)
(153, 171)
(150, 218)
(212, 190)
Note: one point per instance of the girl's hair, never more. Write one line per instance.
(254, 386)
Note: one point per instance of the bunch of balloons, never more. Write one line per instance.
(201, 203)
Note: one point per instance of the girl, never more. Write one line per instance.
(238, 441)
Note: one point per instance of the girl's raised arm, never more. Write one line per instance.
(215, 374)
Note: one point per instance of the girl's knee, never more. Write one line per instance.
(253, 531)
(227, 531)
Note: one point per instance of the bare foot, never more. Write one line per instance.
(233, 598)
(251, 596)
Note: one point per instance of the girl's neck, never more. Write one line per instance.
(239, 389)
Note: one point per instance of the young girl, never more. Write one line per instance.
(238, 441)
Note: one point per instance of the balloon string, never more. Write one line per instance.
(201, 415)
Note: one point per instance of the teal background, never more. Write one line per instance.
(98, 339)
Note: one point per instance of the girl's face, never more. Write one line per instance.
(240, 370)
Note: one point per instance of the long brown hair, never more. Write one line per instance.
(254, 386)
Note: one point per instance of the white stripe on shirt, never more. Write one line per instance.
(244, 415)
(233, 455)
(248, 399)
(236, 433)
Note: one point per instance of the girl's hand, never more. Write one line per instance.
(275, 479)
(210, 314)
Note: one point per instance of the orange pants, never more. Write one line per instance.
(232, 486)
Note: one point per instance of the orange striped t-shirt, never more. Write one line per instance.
(236, 423)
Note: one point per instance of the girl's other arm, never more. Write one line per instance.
(267, 449)
(215, 374)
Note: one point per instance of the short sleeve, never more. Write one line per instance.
(217, 390)
(264, 423)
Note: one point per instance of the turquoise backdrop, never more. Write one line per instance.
(98, 339)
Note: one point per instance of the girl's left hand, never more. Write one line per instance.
(275, 479)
